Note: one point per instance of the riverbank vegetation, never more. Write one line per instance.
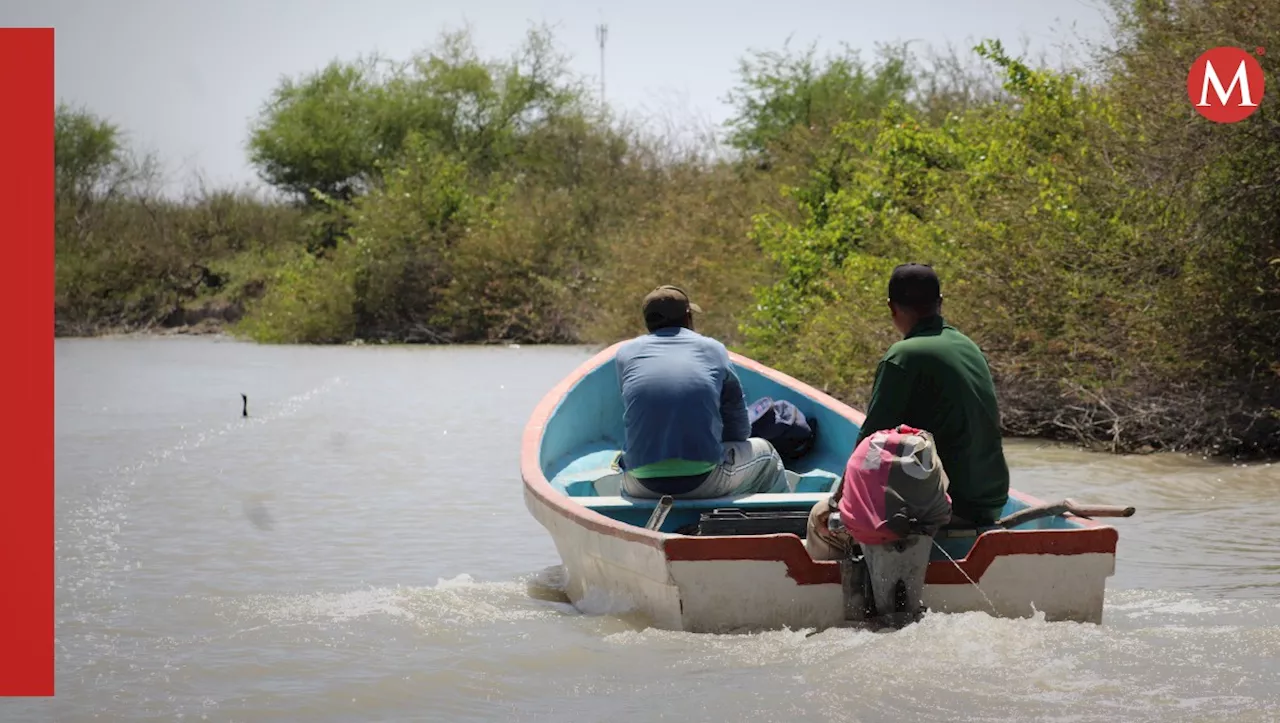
(1116, 255)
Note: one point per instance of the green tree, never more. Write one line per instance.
(86, 152)
(329, 132)
(319, 133)
(782, 94)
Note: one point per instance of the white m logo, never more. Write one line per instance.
(1241, 77)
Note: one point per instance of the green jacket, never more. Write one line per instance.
(937, 379)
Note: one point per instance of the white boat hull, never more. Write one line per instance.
(609, 574)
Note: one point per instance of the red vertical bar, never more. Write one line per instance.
(26, 363)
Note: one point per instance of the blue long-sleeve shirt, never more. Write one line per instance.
(681, 400)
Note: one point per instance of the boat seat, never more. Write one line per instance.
(791, 500)
(585, 476)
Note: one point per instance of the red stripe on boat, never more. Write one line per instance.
(806, 571)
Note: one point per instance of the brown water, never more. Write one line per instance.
(358, 550)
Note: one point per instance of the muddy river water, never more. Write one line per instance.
(358, 550)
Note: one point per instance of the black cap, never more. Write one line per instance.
(914, 285)
(667, 305)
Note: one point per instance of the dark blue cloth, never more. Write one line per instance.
(681, 398)
(674, 485)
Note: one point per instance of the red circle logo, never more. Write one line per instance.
(1225, 85)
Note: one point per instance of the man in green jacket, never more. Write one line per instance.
(937, 379)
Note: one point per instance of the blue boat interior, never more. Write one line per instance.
(583, 438)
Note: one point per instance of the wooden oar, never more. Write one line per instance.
(1054, 509)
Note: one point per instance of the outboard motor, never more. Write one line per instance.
(892, 501)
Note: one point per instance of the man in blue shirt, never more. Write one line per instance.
(687, 430)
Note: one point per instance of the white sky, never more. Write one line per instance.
(185, 78)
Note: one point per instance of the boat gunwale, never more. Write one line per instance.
(786, 548)
(535, 480)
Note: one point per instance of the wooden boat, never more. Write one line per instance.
(1051, 563)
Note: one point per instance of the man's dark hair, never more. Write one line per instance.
(915, 287)
(667, 306)
(663, 324)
